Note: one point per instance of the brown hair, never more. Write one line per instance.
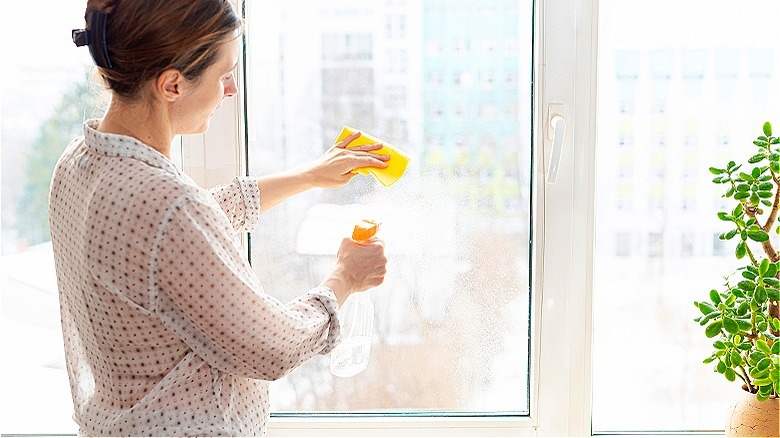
(147, 37)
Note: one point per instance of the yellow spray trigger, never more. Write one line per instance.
(396, 166)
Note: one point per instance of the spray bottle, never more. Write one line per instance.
(350, 357)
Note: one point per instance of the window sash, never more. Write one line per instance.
(565, 46)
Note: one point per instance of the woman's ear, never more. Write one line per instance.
(169, 85)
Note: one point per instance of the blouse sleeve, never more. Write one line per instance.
(240, 200)
(207, 294)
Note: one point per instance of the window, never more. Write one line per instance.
(452, 319)
(690, 63)
(39, 119)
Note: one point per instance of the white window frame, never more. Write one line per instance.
(565, 55)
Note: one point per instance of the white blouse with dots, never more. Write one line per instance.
(167, 329)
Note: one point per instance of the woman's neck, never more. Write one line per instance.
(142, 121)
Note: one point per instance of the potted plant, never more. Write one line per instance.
(743, 317)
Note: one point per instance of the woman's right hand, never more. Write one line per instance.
(359, 266)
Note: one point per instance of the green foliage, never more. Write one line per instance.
(64, 124)
(742, 319)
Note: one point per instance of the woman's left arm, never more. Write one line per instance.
(332, 170)
(241, 200)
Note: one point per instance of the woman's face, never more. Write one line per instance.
(196, 108)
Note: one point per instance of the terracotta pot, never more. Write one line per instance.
(750, 417)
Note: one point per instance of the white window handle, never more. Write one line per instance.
(558, 128)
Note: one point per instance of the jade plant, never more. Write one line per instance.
(743, 316)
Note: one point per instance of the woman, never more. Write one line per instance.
(167, 329)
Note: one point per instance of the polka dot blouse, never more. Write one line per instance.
(167, 330)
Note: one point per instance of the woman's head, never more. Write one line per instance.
(146, 38)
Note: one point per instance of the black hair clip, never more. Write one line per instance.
(94, 36)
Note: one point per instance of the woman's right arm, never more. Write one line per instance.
(205, 291)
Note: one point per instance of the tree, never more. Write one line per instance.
(65, 123)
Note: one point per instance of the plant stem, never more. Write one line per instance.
(769, 250)
(745, 377)
(750, 254)
(773, 214)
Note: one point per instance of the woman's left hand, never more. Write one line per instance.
(335, 167)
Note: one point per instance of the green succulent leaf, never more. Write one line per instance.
(730, 374)
(763, 346)
(744, 325)
(755, 357)
(760, 295)
(772, 293)
(730, 325)
(771, 272)
(757, 157)
(758, 374)
(703, 320)
(715, 297)
(763, 267)
(765, 186)
(721, 367)
(762, 397)
(741, 195)
(713, 329)
(716, 171)
(761, 143)
(764, 194)
(736, 359)
(755, 173)
(764, 364)
(767, 128)
(758, 235)
(749, 275)
(706, 308)
(709, 359)
(741, 250)
(775, 323)
(747, 286)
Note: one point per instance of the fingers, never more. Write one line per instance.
(368, 147)
(370, 160)
(349, 139)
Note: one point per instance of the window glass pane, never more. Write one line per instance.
(682, 84)
(46, 95)
(443, 81)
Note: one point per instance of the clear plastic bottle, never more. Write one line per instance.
(350, 357)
